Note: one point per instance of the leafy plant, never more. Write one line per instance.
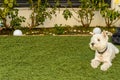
(110, 16)
(7, 6)
(15, 19)
(85, 16)
(8, 11)
(85, 13)
(67, 14)
(59, 29)
(99, 4)
(40, 12)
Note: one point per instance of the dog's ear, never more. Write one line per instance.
(108, 33)
(104, 33)
(92, 33)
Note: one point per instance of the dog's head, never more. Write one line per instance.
(99, 41)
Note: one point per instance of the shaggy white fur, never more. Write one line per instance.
(104, 51)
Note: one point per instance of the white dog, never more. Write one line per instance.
(104, 51)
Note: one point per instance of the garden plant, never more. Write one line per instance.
(110, 16)
(85, 13)
(40, 12)
(7, 10)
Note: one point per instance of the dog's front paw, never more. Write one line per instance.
(95, 63)
(105, 66)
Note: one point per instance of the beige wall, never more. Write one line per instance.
(115, 4)
(97, 20)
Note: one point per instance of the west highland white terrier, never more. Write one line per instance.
(104, 51)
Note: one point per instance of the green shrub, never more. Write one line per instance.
(59, 29)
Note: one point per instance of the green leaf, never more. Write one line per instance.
(10, 5)
(11, 1)
(6, 1)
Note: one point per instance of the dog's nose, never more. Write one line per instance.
(92, 44)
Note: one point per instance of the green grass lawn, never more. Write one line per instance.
(51, 58)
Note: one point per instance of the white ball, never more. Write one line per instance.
(17, 32)
(96, 30)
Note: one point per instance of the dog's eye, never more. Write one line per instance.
(98, 39)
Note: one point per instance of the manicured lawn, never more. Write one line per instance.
(51, 58)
